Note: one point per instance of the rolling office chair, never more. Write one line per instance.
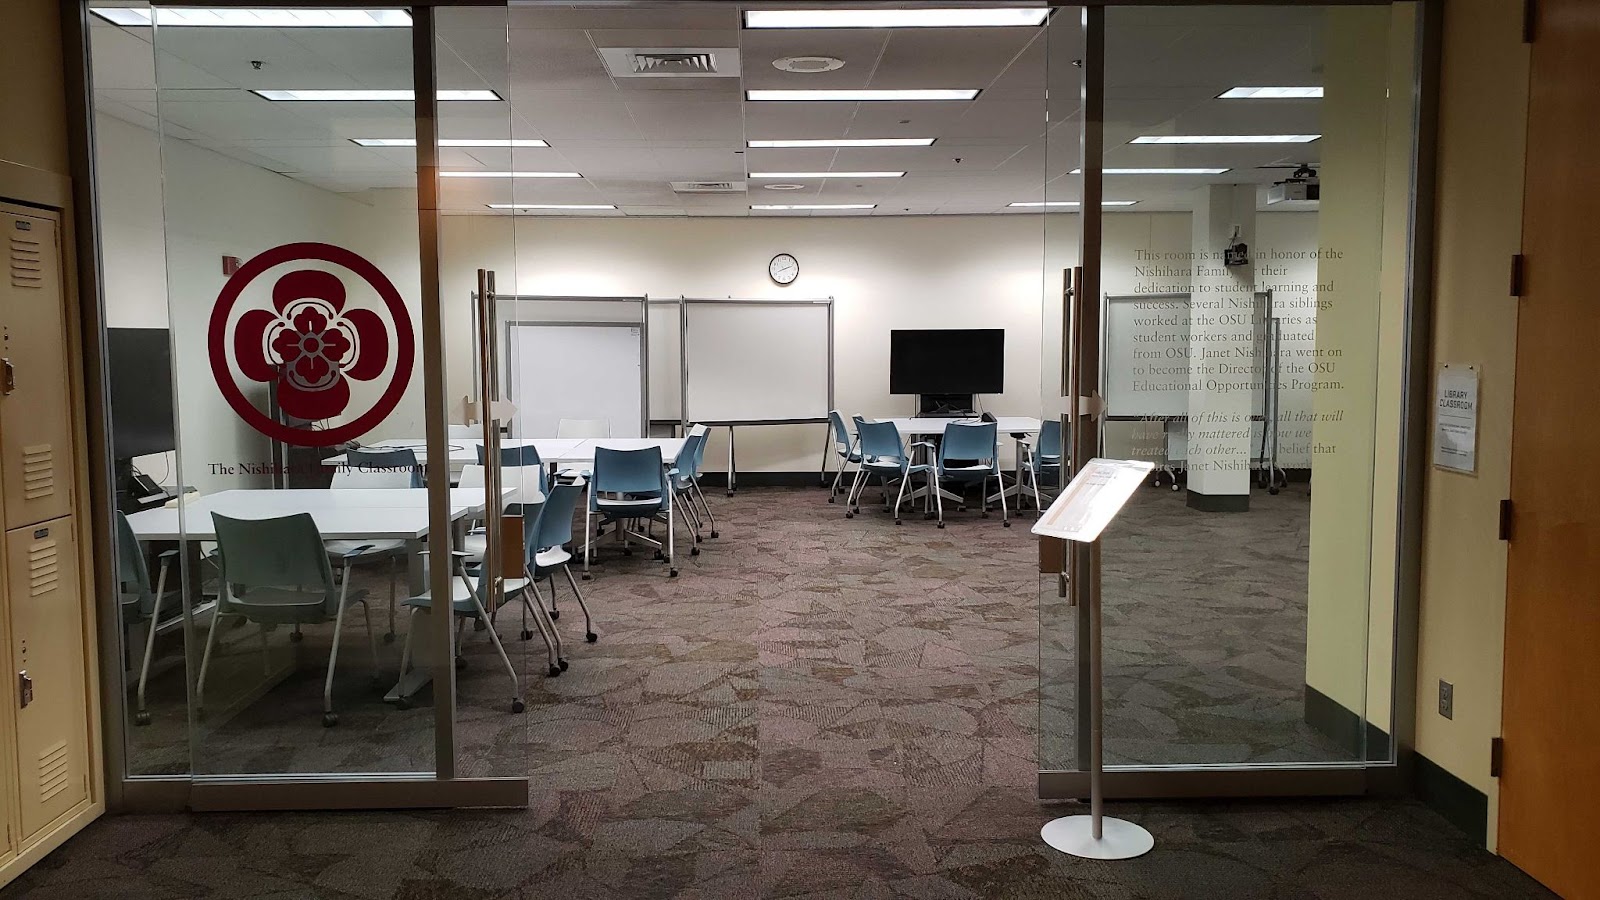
(466, 604)
(548, 552)
(883, 454)
(845, 445)
(682, 478)
(630, 486)
(1045, 458)
(968, 454)
(276, 572)
(138, 603)
(703, 431)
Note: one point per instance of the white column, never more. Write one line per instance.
(1224, 370)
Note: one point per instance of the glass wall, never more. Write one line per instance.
(1252, 292)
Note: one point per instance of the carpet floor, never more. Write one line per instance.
(817, 707)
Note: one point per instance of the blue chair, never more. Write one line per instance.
(628, 487)
(845, 446)
(138, 602)
(515, 457)
(276, 572)
(547, 552)
(699, 465)
(884, 455)
(681, 476)
(970, 454)
(1044, 457)
(365, 459)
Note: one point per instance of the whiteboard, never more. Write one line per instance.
(561, 371)
(666, 361)
(1138, 385)
(758, 360)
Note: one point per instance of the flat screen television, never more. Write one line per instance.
(947, 361)
(139, 364)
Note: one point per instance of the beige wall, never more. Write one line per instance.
(1483, 113)
(33, 104)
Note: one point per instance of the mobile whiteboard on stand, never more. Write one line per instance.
(1082, 511)
(756, 362)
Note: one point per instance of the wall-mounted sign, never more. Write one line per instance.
(1455, 419)
(308, 340)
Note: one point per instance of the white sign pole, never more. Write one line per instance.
(1082, 511)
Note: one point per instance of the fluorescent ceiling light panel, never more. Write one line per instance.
(844, 142)
(862, 95)
(362, 96)
(1157, 171)
(452, 142)
(1270, 93)
(476, 174)
(784, 206)
(895, 18)
(551, 206)
(788, 175)
(1036, 203)
(1225, 138)
(260, 18)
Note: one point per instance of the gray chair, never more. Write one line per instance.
(466, 605)
(371, 459)
(139, 603)
(276, 572)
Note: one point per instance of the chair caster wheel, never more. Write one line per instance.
(898, 522)
(849, 515)
(142, 717)
(830, 499)
(672, 572)
(527, 634)
(555, 671)
(388, 638)
(296, 637)
(330, 719)
(561, 664)
(694, 551)
(555, 613)
(716, 534)
(516, 706)
(698, 539)
(941, 525)
(1006, 523)
(587, 577)
(591, 637)
(660, 556)
(1272, 491)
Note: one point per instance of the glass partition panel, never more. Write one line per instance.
(1257, 185)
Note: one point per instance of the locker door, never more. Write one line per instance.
(47, 644)
(8, 705)
(35, 406)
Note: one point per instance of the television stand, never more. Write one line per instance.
(946, 405)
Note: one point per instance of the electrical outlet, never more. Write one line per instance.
(1447, 699)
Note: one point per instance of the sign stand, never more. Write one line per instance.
(1082, 511)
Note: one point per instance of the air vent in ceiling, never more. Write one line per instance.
(671, 62)
(708, 187)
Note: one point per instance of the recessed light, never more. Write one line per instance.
(845, 142)
(452, 142)
(827, 174)
(551, 206)
(1158, 171)
(332, 96)
(1037, 203)
(786, 206)
(476, 174)
(784, 186)
(260, 18)
(1270, 93)
(894, 18)
(862, 95)
(1225, 138)
(808, 65)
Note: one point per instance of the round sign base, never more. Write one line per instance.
(1119, 839)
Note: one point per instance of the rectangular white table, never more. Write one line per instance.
(933, 426)
(559, 452)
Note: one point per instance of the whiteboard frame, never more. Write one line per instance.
(1259, 338)
(683, 353)
(644, 339)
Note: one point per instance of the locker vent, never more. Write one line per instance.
(54, 771)
(38, 471)
(27, 263)
(44, 570)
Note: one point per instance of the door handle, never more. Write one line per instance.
(10, 377)
(24, 689)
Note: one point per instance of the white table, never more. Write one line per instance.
(932, 426)
(464, 451)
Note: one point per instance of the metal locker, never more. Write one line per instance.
(48, 690)
(35, 395)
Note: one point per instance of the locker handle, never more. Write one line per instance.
(24, 689)
(10, 378)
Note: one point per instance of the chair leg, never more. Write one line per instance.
(394, 564)
(588, 620)
(588, 539)
(1000, 488)
(494, 637)
(205, 662)
(329, 717)
(851, 506)
(938, 497)
(142, 716)
(705, 503)
(833, 489)
(672, 540)
(905, 478)
(552, 637)
(372, 640)
(405, 648)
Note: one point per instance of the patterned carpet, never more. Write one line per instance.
(818, 707)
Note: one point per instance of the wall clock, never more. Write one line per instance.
(784, 268)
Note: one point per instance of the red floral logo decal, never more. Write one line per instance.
(311, 344)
